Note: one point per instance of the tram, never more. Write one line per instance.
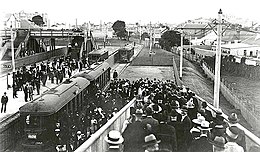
(98, 55)
(126, 53)
(40, 116)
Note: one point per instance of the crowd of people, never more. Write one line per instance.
(171, 119)
(74, 128)
(29, 79)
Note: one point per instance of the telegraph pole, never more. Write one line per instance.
(218, 61)
(181, 54)
(12, 48)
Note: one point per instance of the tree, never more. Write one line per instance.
(119, 28)
(170, 39)
(38, 20)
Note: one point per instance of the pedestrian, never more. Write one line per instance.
(151, 143)
(232, 135)
(218, 144)
(30, 91)
(115, 75)
(114, 140)
(4, 101)
(26, 91)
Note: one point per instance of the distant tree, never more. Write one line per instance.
(38, 20)
(145, 35)
(119, 28)
(170, 39)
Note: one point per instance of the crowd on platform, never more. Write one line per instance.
(30, 79)
(171, 119)
(103, 106)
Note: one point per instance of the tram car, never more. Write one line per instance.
(98, 55)
(48, 117)
(126, 53)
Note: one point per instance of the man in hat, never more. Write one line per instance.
(233, 122)
(184, 132)
(218, 144)
(232, 135)
(201, 144)
(114, 141)
(205, 112)
(134, 134)
(166, 133)
(149, 118)
(4, 101)
(151, 144)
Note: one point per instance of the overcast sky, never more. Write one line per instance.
(164, 11)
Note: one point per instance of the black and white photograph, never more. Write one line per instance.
(130, 76)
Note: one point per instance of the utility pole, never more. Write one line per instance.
(12, 48)
(218, 61)
(181, 54)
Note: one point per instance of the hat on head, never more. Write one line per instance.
(150, 140)
(139, 112)
(190, 105)
(204, 125)
(156, 108)
(233, 118)
(199, 120)
(218, 142)
(232, 132)
(219, 112)
(114, 137)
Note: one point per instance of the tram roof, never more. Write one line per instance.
(94, 73)
(54, 99)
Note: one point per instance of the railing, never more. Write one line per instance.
(250, 115)
(55, 33)
(96, 142)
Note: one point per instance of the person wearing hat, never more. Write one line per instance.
(195, 131)
(4, 101)
(114, 140)
(149, 118)
(184, 132)
(134, 134)
(204, 111)
(232, 134)
(156, 110)
(218, 144)
(201, 144)
(233, 121)
(151, 144)
(166, 133)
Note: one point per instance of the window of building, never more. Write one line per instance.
(244, 52)
(251, 53)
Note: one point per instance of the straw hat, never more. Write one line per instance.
(114, 137)
(139, 112)
(204, 125)
(199, 120)
(150, 140)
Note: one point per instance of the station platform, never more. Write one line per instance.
(14, 104)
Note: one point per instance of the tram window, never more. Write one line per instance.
(33, 121)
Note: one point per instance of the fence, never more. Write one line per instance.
(248, 110)
(96, 142)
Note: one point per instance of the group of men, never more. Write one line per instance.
(28, 79)
(171, 119)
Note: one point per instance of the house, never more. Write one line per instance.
(240, 49)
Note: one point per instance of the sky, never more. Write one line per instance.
(132, 11)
